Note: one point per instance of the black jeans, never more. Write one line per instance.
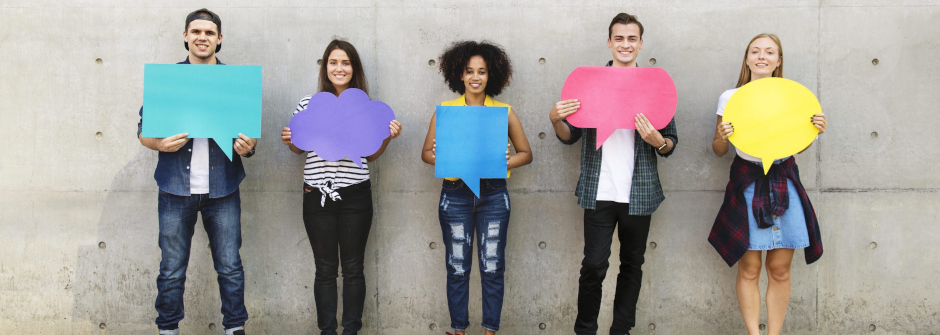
(599, 225)
(344, 225)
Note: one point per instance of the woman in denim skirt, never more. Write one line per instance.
(763, 212)
(467, 67)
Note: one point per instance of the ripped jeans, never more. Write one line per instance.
(462, 217)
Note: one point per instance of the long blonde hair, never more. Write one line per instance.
(746, 71)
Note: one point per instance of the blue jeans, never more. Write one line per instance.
(222, 220)
(462, 217)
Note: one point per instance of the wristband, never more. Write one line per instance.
(665, 143)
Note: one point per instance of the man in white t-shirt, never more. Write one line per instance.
(619, 185)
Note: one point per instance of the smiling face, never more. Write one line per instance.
(625, 43)
(202, 37)
(339, 69)
(763, 57)
(475, 76)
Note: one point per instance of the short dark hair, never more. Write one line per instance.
(358, 76)
(454, 62)
(203, 14)
(623, 18)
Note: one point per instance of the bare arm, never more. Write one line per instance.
(428, 151)
(523, 155)
(720, 143)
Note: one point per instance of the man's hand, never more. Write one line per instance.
(244, 144)
(563, 108)
(172, 143)
(648, 132)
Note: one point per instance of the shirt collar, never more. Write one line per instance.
(217, 61)
(488, 102)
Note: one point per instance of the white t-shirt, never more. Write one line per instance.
(199, 167)
(616, 176)
(722, 101)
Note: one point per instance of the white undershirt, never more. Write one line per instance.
(199, 167)
(722, 101)
(616, 176)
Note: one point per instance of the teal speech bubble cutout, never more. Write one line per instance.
(206, 101)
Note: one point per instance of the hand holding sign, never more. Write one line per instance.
(350, 125)
(773, 118)
(611, 97)
(470, 143)
(204, 101)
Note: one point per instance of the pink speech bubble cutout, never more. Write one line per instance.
(611, 97)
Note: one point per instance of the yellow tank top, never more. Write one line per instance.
(489, 102)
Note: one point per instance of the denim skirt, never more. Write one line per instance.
(789, 230)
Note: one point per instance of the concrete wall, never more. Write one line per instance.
(78, 220)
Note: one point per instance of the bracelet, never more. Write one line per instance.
(665, 143)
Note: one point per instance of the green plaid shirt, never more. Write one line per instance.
(646, 192)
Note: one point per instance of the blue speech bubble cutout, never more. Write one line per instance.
(471, 143)
(206, 101)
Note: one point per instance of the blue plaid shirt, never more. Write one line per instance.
(646, 192)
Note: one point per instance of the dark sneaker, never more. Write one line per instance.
(239, 332)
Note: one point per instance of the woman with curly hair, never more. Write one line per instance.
(468, 67)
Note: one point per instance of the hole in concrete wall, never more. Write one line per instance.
(432, 245)
(542, 135)
(875, 61)
(652, 245)
(652, 326)
(542, 326)
(102, 245)
(99, 61)
(319, 62)
(431, 62)
(872, 327)
(541, 60)
(874, 134)
(99, 135)
(873, 245)
(102, 326)
(432, 326)
(211, 326)
(763, 327)
(652, 61)
(543, 245)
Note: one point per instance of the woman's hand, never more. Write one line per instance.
(394, 129)
(725, 129)
(285, 136)
(507, 154)
(819, 120)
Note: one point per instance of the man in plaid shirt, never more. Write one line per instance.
(619, 184)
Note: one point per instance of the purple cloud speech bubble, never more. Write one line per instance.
(348, 126)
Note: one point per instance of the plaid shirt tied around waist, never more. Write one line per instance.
(646, 192)
(729, 234)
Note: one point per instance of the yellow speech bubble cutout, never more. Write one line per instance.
(772, 118)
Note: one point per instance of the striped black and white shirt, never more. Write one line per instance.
(330, 176)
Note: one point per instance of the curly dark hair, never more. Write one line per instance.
(454, 62)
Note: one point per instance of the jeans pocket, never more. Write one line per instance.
(452, 185)
(496, 184)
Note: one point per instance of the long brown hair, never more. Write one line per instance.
(746, 71)
(358, 77)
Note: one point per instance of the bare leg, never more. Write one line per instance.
(748, 291)
(778, 288)
(490, 332)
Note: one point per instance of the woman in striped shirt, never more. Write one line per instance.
(338, 202)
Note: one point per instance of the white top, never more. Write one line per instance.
(616, 176)
(722, 101)
(330, 176)
(199, 167)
